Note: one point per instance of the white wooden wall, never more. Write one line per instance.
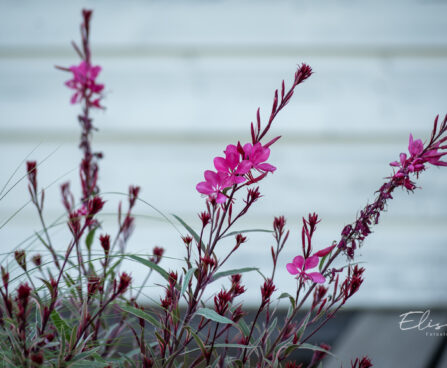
(184, 79)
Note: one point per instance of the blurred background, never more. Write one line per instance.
(184, 79)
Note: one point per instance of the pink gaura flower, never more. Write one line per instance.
(214, 184)
(83, 82)
(257, 155)
(232, 165)
(299, 266)
(415, 147)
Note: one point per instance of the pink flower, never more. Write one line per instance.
(84, 83)
(214, 184)
(299, 266)
(415, 147)
(232, 165)
(257, 155)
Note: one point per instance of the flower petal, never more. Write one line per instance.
(220, 164)
(298, 261)
(292, 268)
(211, 177)
(311, 262)
(204, 188)
(317, 277)
(244, 167)
(221, 198)
(266, 167)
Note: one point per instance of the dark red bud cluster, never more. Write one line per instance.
(187, 240)
(253, 194)
(5, 277)
(124, 283)
(37, 358)
(353, 282)
(208, 262)
(267, 290)
(20, 258)
(133, 195)
(105, 243)
(74, 224)
(318, 295)
(205, 217)
(365, 362)
(37, 260)
(94, 205)
(157, 254)
(278, 224)
(236, 287)
(93, 285)
(293, 365)
(237, 314)
(31, 169)
(67, 197)
(221, 301)
(23, 293)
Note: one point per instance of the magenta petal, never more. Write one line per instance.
(248, 148)
(221, 198)
(238, 179)
(291, 268)
(204, 188)
(317, 277)
(298, 261)
(311, 262)
(220, 164)
(244, 167)
(211, 177)
(266, 167)
(264, 154)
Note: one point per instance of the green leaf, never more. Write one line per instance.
(150, 264)
(187, 279)
(190, 230)
(244, 327)
(213, 316)
(61, 326)
(247, 231)
(303, 326)
(323, 259)
(233, 272)
(89, 238)
(141, 314)
(198, 340)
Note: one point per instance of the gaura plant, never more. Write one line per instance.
(77, 309)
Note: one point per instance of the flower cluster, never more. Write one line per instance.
(235, 168)
(416, 161)
(85, 85)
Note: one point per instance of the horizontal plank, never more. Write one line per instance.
(227, 22)
(208, 97)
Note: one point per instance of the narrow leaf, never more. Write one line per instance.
(247, 231)
(187, 279)
(141, 314)
(150, 264)
(213, 316)
(233, 272)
